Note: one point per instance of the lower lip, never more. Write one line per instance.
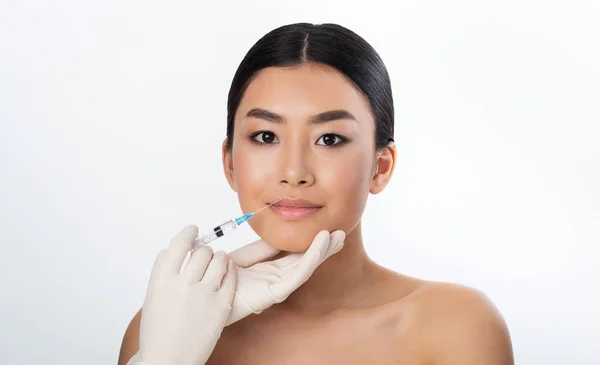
(294, 212)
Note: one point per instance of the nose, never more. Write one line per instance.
(295, 167)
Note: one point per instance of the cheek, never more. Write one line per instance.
(252, 172)
(347, 184)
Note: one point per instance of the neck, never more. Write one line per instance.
(337, 283)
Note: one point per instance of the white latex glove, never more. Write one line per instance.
(185, 310)
(262, 284)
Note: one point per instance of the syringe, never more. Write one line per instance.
(223, 229)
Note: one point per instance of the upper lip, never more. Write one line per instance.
(297, 203)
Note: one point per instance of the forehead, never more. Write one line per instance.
(302, 91)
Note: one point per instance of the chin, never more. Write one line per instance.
(291, 240)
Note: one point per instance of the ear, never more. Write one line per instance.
(228, 165)
(384, 168)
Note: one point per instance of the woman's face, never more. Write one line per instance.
(307, 135)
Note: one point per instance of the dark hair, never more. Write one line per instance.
(328, 44)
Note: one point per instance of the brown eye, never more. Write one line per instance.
(330, 139)
(265, 137)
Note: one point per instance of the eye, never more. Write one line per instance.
(265, 137)
(331, 139)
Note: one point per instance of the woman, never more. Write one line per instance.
(311, 120)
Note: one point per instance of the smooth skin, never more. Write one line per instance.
(351, 310)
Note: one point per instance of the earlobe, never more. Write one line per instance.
(385, 164)
(228, 166)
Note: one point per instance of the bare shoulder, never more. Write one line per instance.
(130, 344)
(459, 325)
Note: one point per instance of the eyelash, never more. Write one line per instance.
(342, 139)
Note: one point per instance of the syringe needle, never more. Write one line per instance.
(266, 206)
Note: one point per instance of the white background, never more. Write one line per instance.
(112, 116)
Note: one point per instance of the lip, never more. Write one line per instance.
(295, 208)
(296, 203)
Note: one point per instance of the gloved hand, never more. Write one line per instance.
(262, 284)
(185, 310)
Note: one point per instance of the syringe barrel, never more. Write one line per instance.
(223, 229)
(218, 231)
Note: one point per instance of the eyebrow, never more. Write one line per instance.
(324, 117)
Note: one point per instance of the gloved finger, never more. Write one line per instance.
(197, 264)
(156, 269)
(288, 261)
(178, 248)
(306, 266)
(216, 270)
(336, 243)
(229, 282)
(253, 253)
(158, 264)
